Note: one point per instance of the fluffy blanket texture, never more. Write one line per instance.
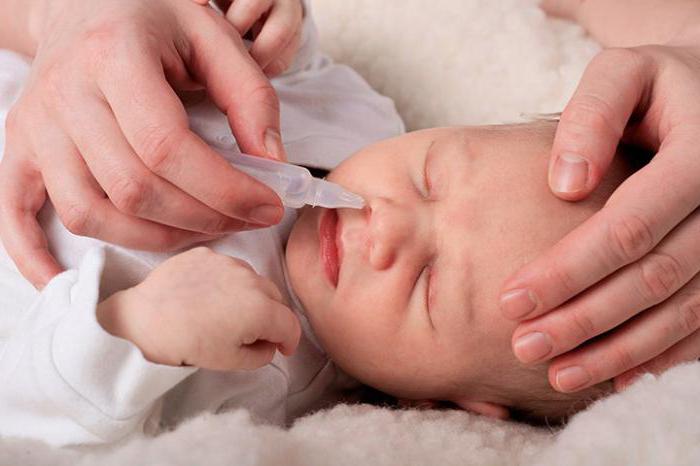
(444, 62)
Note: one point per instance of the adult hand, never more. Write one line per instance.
(99, 127)
(632, 269)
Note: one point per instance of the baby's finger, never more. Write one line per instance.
(635, 343)
(277, 324)
(636, 217)
(254, 355)
(282, 63)
(243, 14)
(279, 30)
(594, 121)
(687, 350)
(22, 195)
(636, 287)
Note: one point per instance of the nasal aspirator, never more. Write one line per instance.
(294, 185)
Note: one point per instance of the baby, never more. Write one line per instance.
(401, 295)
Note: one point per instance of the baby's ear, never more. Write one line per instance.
(484, 408)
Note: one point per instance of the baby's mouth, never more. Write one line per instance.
(330, 249)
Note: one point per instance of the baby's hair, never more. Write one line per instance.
(530, 397)
(526, 392)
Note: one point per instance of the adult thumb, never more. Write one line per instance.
(237, 85)
(594, 122)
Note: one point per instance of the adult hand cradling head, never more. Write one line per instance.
(631, 270)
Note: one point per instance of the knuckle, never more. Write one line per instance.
(582, 326)
(170, 239)
(281, 36)
(129, 195)
(264, 95)
(77, 219)
(591, 112)
(105, 34)
(218, 224)
(621, 359)
(630, 58)
(278, 66)
(689, 315)
(53, 88)
(156, 144)
(562, 277)
(660, 275)
(630, 237)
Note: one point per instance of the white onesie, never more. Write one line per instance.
(67, 381)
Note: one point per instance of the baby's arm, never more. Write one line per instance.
(203, 309)
(67, 381)
(628, 23)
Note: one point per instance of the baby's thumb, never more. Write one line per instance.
(594, 122)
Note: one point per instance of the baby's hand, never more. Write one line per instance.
(203, 309)
(275, 26)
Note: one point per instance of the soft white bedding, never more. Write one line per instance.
(445, 62)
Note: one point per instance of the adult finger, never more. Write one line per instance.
(594, 121)
(236, 84)
(561, 8)
(687, 350)
(156, 126)
(637, 216)
(243, 14)
(85, 210)
(637, 342)
(636, 287)
(279, 30)
(132, 188)
(22, 195)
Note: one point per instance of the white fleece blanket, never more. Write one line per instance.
(444, 62)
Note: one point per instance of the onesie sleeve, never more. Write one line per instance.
(67, 381)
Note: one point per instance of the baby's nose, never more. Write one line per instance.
(390, 228)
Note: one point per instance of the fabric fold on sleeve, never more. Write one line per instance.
(68, 380)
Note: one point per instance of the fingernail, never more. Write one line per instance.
(532, 347)
(570, 173)
(274, 146)
(266, 214)
(518, 303)
(572, 378)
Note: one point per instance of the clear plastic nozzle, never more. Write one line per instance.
(294, 184)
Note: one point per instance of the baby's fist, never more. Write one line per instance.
(204, 309)
(275, 25)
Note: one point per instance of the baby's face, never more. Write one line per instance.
(403, 294)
